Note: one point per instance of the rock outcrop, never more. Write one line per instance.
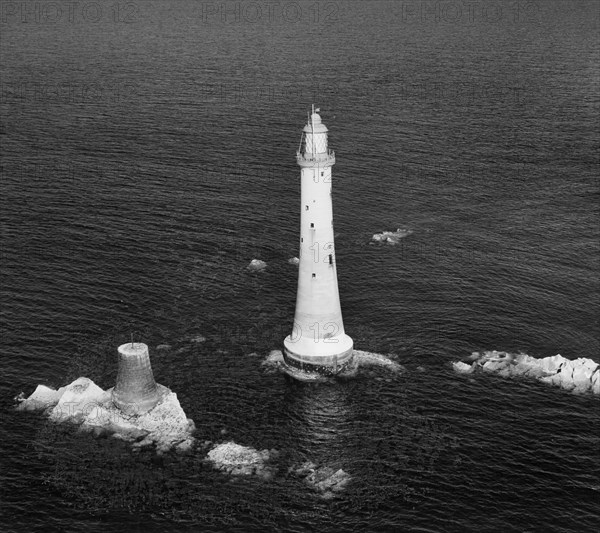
(580, 375)
(325, 480)
(77, 400)
(257, 264)
(87, 405)
(463, 368)
(273, 362)
(370, 359)
(237, 460)
(240, 460)
(391, 237)
(41, 398)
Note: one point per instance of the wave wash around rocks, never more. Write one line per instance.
(580, 375)
(238, 460)
(274, 363)
(84, 403)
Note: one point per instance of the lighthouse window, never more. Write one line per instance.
(314, 275)
(330, 259)
(307, 208)
(301, 239)
(312, 225)
(322, 173)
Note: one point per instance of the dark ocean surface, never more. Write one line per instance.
(148, 156)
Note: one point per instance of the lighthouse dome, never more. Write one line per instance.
(315, 124)
(315, 136)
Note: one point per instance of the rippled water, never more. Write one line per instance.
(145, 163)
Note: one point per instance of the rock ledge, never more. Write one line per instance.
(84, 403)
(325, 480)
(580, 375)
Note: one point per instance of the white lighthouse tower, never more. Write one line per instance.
(318, 342)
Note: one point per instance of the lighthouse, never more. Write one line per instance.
(318, 342)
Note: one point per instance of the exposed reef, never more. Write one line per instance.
(257, 265)
(325, 480)
(391, 237)
(92, 409)
(580, 375)
(239, 460)
(370, 359)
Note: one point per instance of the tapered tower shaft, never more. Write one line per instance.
(136, 391)
(318, 341)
